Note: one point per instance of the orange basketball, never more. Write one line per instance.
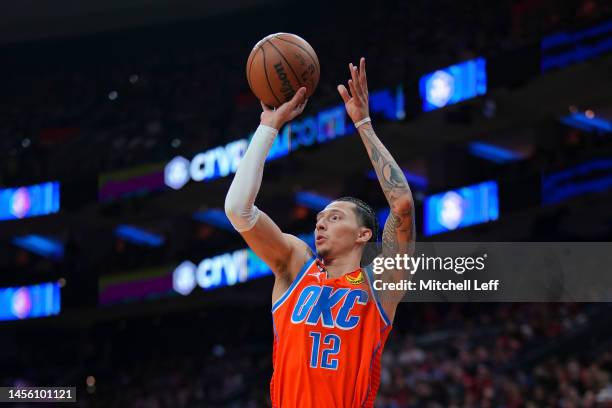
(279, 65)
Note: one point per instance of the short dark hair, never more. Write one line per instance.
(367, 218)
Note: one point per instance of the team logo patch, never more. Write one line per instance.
(355, 278)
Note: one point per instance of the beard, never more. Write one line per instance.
(324, 252)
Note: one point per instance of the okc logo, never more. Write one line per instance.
(315, 305)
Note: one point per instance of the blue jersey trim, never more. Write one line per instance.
(378, 345)
(369, 272)
(297, 280)
(370, 381)
(274, 328)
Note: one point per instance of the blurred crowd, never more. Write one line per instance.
(108, 101)
(439, 355)
(483, 363)
(557, 382)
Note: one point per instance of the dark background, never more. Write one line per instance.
(178, 71)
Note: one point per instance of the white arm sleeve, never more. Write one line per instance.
(240, 199)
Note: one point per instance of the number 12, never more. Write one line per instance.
(331, 342)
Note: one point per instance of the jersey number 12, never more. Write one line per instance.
(326, 349)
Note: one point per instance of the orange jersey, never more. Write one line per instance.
(329, 335)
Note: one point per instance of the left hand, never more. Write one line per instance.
(356, 103)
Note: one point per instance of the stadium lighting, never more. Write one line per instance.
(493, 153)
(183, 278)
(311, 200)
(470, 205)
(588, 122)
(43, 246)
(214, 217)
(29, 201)
(17, 303)
(139, 236)
(588, 177)
(453, 84)
(176, 173)
(565, 48)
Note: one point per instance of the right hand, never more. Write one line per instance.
(356, 102)
(276, 118)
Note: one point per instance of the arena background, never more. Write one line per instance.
(105, 220)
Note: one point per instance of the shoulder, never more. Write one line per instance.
(285, 283)
(301, 256)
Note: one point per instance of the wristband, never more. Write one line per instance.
(362, 122)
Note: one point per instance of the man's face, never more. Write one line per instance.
(337, 230)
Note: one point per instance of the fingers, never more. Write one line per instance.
(296, 105)
(355, 78)
(343, 93)
(353, 89)
(363, 80)
(300, 108)
(298, 98)
(293, 103)
(362, 91)
(265, 107)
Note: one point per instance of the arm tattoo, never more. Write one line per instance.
(389, 240)
(389, 174)
(399, 227)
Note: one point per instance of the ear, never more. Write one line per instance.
(365, 234)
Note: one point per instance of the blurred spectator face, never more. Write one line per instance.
(338, 231)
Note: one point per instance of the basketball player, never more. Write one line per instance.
(330, 326)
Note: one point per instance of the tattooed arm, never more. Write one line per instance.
(399, 231)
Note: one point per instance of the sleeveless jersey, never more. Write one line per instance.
(329, 335)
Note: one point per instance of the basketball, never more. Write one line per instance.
(279, 65)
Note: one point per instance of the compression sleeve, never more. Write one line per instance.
(240, 200)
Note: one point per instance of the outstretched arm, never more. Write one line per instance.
(399, 231)
(283, 253)
(398, 234)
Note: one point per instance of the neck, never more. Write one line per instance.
(341, 265)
